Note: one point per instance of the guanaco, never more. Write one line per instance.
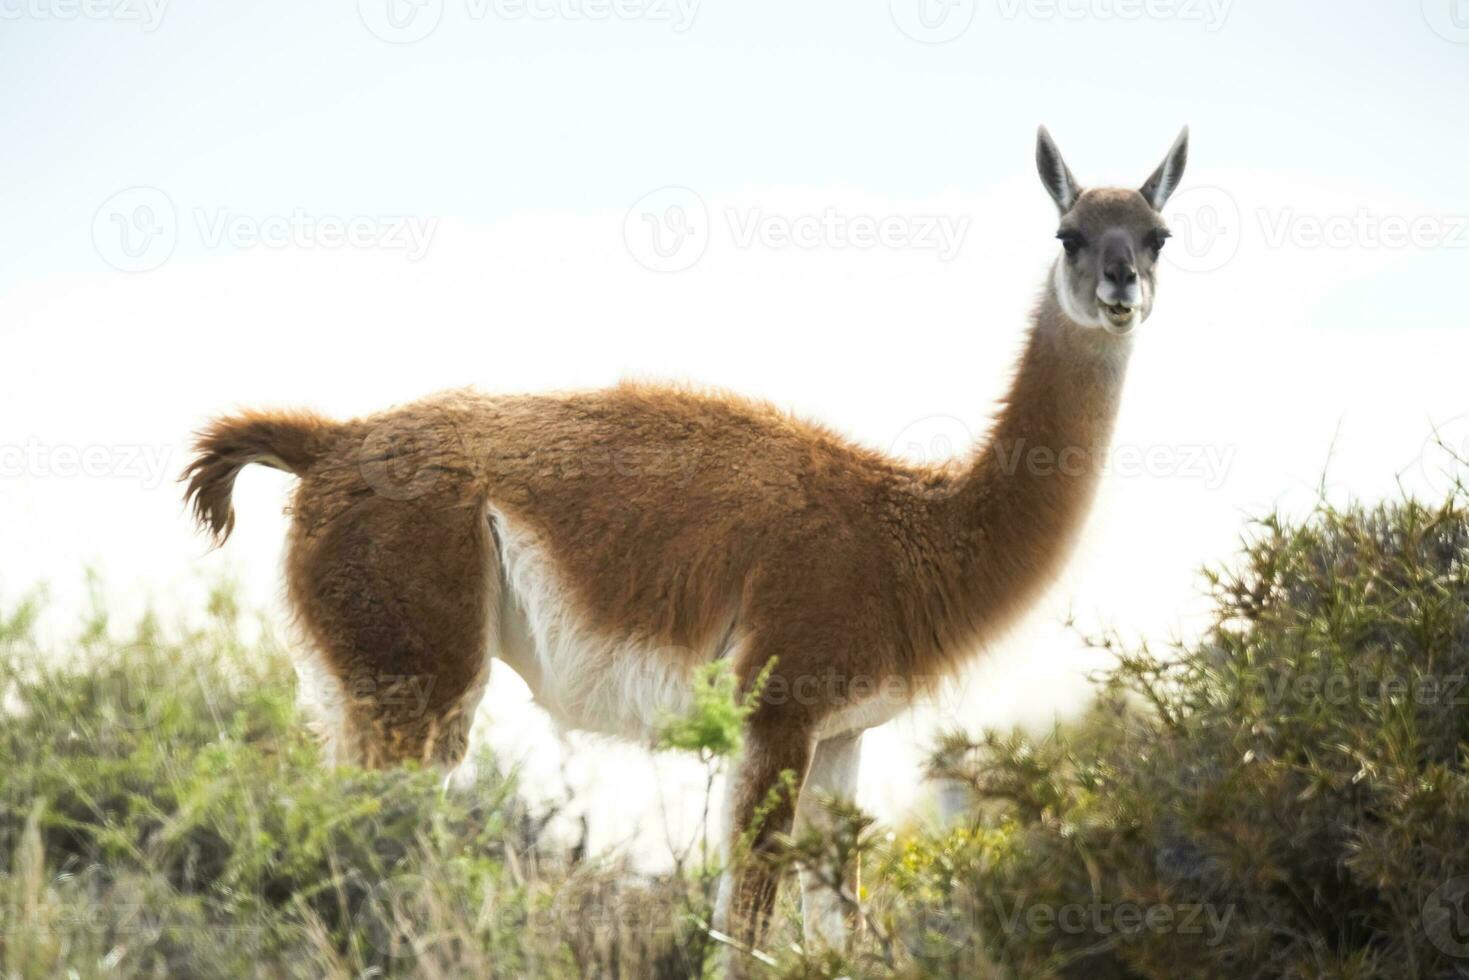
(606, 544)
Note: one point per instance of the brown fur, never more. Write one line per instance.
(681, 520)
(672, 511)
(284, 440)
(675, 515)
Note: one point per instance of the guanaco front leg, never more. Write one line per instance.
(762, 805)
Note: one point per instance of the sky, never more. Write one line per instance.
(344, 206)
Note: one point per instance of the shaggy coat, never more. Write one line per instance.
(683, 524)
(677, 527)
(606, 544)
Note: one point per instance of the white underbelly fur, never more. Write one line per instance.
(585, 680)
(590, 682)
(860, 716)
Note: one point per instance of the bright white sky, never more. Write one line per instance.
(535, 147)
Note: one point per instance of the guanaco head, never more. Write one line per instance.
(1111, 238)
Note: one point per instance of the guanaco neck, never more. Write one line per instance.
(1015, 513)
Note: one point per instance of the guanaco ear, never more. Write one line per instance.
(1164, 182)
(1054, 173)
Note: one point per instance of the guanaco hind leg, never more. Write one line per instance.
(833, 774)
(397, 600)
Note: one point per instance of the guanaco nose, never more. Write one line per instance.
(1120, 269)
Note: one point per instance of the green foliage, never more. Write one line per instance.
(1287, 797)
(164, 811)
(712, 727)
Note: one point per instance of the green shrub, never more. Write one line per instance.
(1287, 797)
(163, 811)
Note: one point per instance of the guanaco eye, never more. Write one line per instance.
(1072, 242)
(1156, 240)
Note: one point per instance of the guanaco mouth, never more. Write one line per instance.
(1119, 315)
